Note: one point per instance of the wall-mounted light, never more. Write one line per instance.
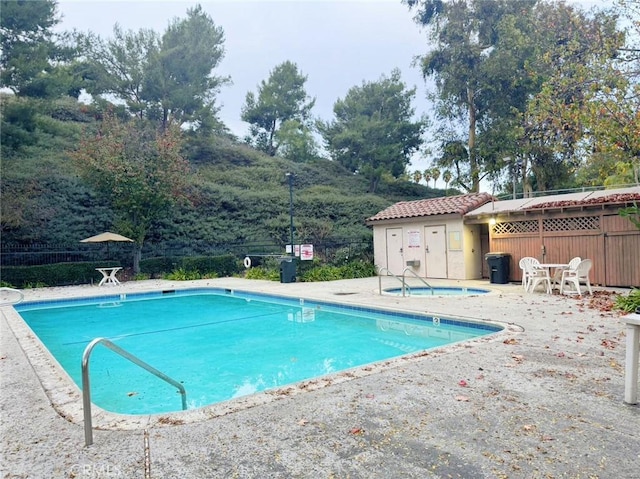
(492, 221)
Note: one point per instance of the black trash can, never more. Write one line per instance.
(287, 270)
(498, 267)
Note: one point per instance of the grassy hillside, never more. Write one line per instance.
(237, 194)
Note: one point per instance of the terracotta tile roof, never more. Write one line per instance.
(460, 204)
(605, 199)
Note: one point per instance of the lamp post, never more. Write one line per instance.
(515, 164)
(290, 177)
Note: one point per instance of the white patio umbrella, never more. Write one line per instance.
(106, 237)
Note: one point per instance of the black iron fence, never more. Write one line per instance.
(43, 254)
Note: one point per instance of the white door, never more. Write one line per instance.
(394, 250)
(435, 251)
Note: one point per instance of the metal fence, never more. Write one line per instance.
(41, 254)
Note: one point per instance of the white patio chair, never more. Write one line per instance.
(535, 276)
(577, 275)
(557, 275)
(527, 260)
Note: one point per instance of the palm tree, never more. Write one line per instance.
(417, 176)
(435, 174)
(426, 174)
(446, 176)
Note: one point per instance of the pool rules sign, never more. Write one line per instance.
(306, 252)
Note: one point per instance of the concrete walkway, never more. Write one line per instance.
(543, 399)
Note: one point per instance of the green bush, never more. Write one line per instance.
(630, 302)
(181, 274)
(156, 267)
(58, 274)
(311, 271)
(204, 266)
(264, 268)
(359, 269)
(219, 266)
(64, 274)
(263, 272)
(323, 273)
(350, 270)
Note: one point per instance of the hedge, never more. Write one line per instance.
(64, 274)
(57, 274)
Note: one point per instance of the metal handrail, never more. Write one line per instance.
(408, 269)
(13, 290)
(389, 273)
(86, 386)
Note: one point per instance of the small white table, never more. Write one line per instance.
(556, 266)
(109, 276)
(631, 360)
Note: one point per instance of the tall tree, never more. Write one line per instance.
(281, 101)
(296, 142)
(374, 131)
(180, 81)
(168, 78)
(522, 77)
(118, 66)
(138, 170)
(32, 59)
(465, 34)
(580, 107)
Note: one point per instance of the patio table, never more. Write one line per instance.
(109, 276)
(632, 356)
(556, 266)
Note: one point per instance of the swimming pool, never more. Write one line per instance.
(222, 344)
(436, 291)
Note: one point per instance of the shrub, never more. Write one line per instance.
(630, 302)
(353, 269)
(226, 265)
(323, 273)
(181, 274)
(269, 270)
(359, 269)
(204, 266)
(156, 267)
(263, 272)
(57, 274)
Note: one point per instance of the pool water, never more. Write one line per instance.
(436, 291)
(222, 344)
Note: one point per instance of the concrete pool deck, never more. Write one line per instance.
(542, 399)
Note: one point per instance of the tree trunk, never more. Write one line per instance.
(137, 255)
(473, 160)
(527, 190)
(272, 134)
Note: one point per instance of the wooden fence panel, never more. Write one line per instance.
(623, 260)
(560, 249)
(610, 241)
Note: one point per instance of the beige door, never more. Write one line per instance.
(395, 250)
(435, 251)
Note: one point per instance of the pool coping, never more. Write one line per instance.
(66, 398)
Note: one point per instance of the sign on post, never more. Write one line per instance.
(306, 252)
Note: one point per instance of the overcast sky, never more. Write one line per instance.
(336, 44)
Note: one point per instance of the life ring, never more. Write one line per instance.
(247, 262)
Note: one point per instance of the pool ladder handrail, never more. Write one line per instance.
(13, 290)
(408, 269)
(389, 273)
(86, 386)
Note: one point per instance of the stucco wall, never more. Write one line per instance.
(463, 247)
